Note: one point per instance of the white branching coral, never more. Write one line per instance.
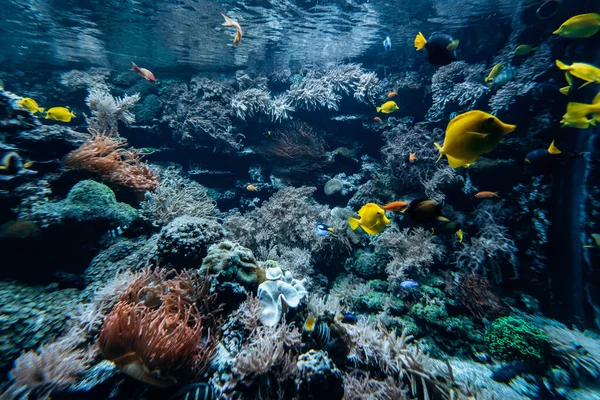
(92, 78)
(280, 108)
(107, 110)
(249, 102)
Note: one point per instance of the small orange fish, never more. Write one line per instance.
(377, 119)
(144, 73)
(412, 157)
(238, 28)
(252, 188)
(486, 195)
(392, 94)
(396, 206)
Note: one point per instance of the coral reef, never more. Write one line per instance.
(317, 373)
(107, 111)
(514, 339)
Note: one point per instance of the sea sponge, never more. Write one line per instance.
(514, 339)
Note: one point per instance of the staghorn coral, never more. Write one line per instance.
(455, 87)
(176, 196)
(105, 154)
(412, 251)
(107, 111)
(247, 103)
(164, 329)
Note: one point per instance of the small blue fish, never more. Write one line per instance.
(387, 44)
(322, 229)
(348, 318)
(409, 284)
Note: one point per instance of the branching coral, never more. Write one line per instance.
(458, 85)
(108, 110)
(106, 155)
(249, 102)
(176, 196)
(412, 252)
(163, 330)
(92, 78)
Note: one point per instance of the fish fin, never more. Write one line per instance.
(420, 41)
(596, 99)
(369, 230)
(459, 233)
(495, 194)
(552, 149)
(378, 109)
(561, 65)
(353, 223)
(575, 110)
(28, 164)
(2, 167)
(557, 32)
(455, 162)
(565, 90)
(453, 45)
(585, 84)
(569, 78)
(41, 109)
(593, 121)
(134, 67)
(442, 218)
(71, 114)
(478, 134)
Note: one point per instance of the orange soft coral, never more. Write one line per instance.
(162, 331)
(106, 155)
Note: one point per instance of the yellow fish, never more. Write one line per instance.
(372, 219)
(524, 49)
(388, 107)
(494, 73)
(60, 114)
(577, 111)
(579, 26)
(586, 72)
(470, 135)
(567, 89)
(580, 123)
(30, 105)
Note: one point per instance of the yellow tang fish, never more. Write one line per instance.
(494, 73)
(388, 107)
(586, 72)
(30, 105)
(580, 123)
(524, 49)
(60, 114)
(470, 135)
(576, 111)
(372, 219)
(579, 26)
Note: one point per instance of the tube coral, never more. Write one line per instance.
(163, 330)
(106, 155)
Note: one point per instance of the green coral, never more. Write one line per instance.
(514, 339)
(232, 263)
(89, 201)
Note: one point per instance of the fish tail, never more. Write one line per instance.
(593, 121)
(442, 218)
(459, 233)
(420, 41)
(228, 21)
(41, 109)
(561, 65)
(72, 114)
(134, 67)
(28, 164)
(565, 90)
(436, 144)
(378, 109)
(552, 149)
(495, 194)
(353, 223)
(585, 84)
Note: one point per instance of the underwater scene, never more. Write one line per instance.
(300, 199)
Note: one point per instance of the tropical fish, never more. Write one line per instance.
(388, 107)
(347, 318)
(322, 229)
(60, 114)
(541, 160)
(524, 49)
(391, 94)
(144, 73)
(377, 119)
(494, 73)
(486, 195)
(238, 29)
(577, 122)
(252, 188)
(586, 72)
(387, 44)
(372, 219)
(118, 231)
(412, 157)
(470, 135)
(567, 89)
(409, 284)
(309, 325)
(12, 165)
(424, 210)
(448, 227)
(30, 105)
(579, 26)
(395, 206)
(441, 47)
(502, 78)
(578, 111)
